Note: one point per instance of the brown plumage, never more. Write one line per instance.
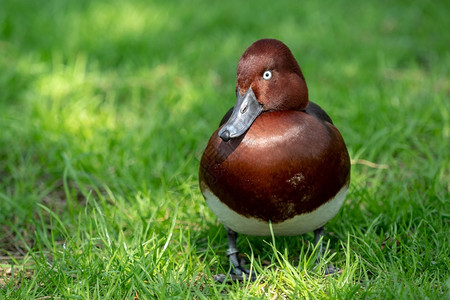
(288, 162)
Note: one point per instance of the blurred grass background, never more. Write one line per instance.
(106, 107)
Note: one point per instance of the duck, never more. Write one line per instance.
(276, 164)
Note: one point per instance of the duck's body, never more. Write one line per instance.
(277, 158)
(290, 168)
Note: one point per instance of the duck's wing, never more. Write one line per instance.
(226, 117)
(316, 111)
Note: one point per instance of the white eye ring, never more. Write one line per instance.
(267, 75)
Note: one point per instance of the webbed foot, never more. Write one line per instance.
(239, 274)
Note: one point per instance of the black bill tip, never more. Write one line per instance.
(225, 135)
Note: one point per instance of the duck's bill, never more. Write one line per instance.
(245, 111)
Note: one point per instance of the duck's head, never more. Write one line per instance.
(268, 79)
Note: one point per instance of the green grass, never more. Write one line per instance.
(106, 107)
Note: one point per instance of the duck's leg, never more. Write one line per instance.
(237, 272)
(318, 239)
(318, 235)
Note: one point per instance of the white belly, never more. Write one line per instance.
(297, 225)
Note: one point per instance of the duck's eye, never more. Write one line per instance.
(267, 75)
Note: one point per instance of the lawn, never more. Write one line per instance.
(106, 107)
